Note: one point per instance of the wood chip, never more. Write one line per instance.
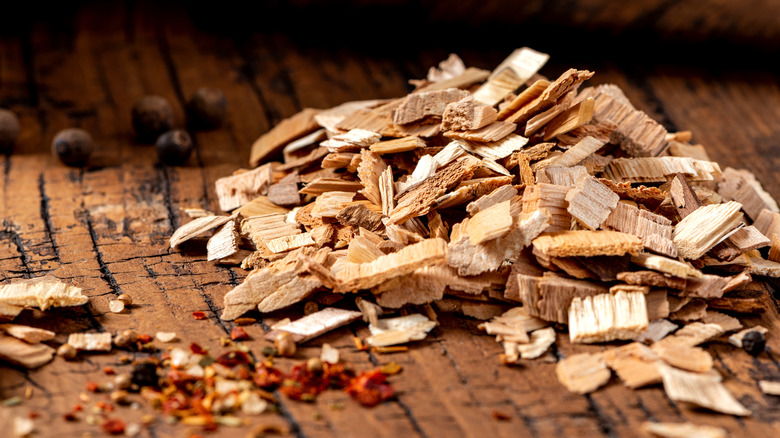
(224, 242)
(606, 317)
(90, 341)
(243, 186)
(540, 342)
(42, 292)
(583, 373)
(489, 133)
(683, 430)
(656, 330)
(635, 364)
(736, 338)
(743, 187)
(426, 104)
(705, 390)
(351, 141)
(769, 387)
(489, 224)
(513, 72)
(23, 354)
(467, 114)
(315, 324)
(286, 131)
(31, 335)
(570, 119)
(591, 202)
(165, 337)
(400, 330)
(578, 152)
(693, 359)
(701, 230)
(658, 169)
(586, 243)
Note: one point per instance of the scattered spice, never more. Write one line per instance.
(238, 334)
(113, 426)
(370, 388)
(754, 342)
(151, 116)
(73, 146)
(199, 315)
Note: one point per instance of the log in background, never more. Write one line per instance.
(702, 66)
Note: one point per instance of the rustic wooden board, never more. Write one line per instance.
(105, 227)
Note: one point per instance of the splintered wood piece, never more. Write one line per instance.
(470, 76)
(448, 69)
(369, 171)
(538, 121)
(469, 190)
(490, 133)
(497, 196)
(351, 141)
(242, 186)
(418, 201)
(90, 341)
(21, 353)
(513, 72)
(656, 331)
(565, 176)
(302, 143)
(586, 243)
(424, 285)
(552, 199)
(693, 334)
(705, 390)
(652, 278)
(606, 317)
(196, 227)
(490, 223)
(769, 387)
(284, 132)
(467, 114)
(366, 275)
(322, 185)
(768, 223)
(749, 238)
(687, 358)
(691, 311)
(591, 202)
(330, 118)
(387, 191)
(728, 323)
(658, 169)
(298, 288)
(565, 83)
(426, 104)
(583, 373)
(397, 145)
(743, 187)
(289, 243)
(315, 324)
(259, 206)
(635, 364)
(489, 256)
(549, 298)
(41, 292)
(575, 154)
(736, 338)
(666, 265)
(329, 204)
(362, 215)
(766, 268)
(654, 230)
(400, 330)
(262, 229)
(701, 230)
(285, 192)
(31, 335)
(337, 160)
(683, 430)
(657, 304)
(224, 242)
(526, 96)
(495, 150)
(572, 118)
(540, 342)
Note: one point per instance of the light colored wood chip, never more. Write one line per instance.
(243, 186)
(400, 330)
(525, 97)
(591, 202)
(513, 72)
(679, 149)
(397, 145)
(693, 359)
(549, 298)
(366, 275)
(768, 223)
(743, 187)
(303, 143)
(606, 317)
(351, 141)
(467, 114)
(489, 224)
(683, 430)
(41, 292)
(330, 118)
(447, 69)
(495, 150)
(705, 227)
(499, 195)
(656, 330)
(564, 176)
(322, 185)
(315, 324)
(766, 268)
(196, 227)
(572, 118)
(165, 337)
(224, 242)
(329, 354)
(284, 132)
(490, 133)
(586, 243)
(769, 387)
(551, 199)
(90, 341)
(736, 338)
(424, 285)
(728, 323)
(538, 121)
(329, 204)
(749, 238)
(8, 312)
(540, 342)
(260, 206)
(31, 335)
(693, 334)
(659, 169)
(288, 243)
(575, 154)
(196, 212)
(666, 265)
(23, 354)
(568, 81)
(635, 364)
(470, 76)
(654, 230)
(583, 373)
(705, 390)
(421, 105)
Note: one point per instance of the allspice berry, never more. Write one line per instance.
(174, 147)
(207, 108)
(151, 116)
(67, 352)
(9, 130)
(754, 342)
(73, 146)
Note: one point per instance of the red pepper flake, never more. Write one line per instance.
(370, 388)
(105, 407)
(197, 349)
(78, 408)
(238, 334)
(233, 358)
(113, 426)
(70, 416)
(199, 315)
(92, 386)
(145, 339)
(267, 377)
(500, 416)
(109, 371)
(33, 415)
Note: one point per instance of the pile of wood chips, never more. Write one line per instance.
(527, 202)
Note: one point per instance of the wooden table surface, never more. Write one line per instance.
(105, 227)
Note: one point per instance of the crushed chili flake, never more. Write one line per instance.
(113, 426)
(104, 407)
(109, 370)
(199, 315)
(238, 334)
(267, 377)
(92, 386)
(145, 339)
(370, 388)
(70, 416)
(33, 415)
(233, 358)
(500, 416)
(197, 349)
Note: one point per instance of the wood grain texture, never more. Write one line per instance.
(105, 227)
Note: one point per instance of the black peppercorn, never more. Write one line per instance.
(207, 108)
(151, 116)
(9, 130)
(174, 147)
(145, 374)
(754, 342)
(73, 146)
